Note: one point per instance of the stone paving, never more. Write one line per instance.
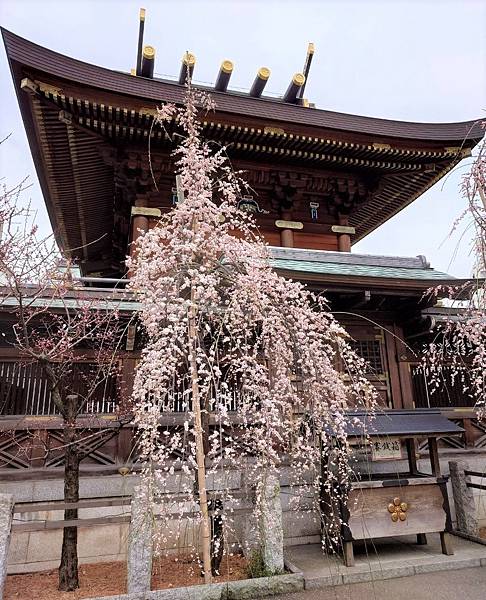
(468, 584)
(386, 559)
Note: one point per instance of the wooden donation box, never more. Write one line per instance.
(386, 500)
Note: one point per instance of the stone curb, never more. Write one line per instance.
(244, 589)
(406, 570)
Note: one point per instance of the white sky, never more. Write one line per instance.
(415, 61)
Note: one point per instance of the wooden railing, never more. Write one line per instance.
(476, 486)
(24, 390)
(21, 525)
(448, 395)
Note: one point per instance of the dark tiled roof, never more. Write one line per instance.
(53, 63)
(401, 423)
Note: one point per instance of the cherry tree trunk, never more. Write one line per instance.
(68, 569)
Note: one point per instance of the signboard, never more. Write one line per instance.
(289, 224)
(387, 448)
(343, 229)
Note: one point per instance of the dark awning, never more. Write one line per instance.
(403, 423)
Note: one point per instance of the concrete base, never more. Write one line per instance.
(383, 559)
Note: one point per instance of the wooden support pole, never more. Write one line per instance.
(344, 242)
(287, 235)
(287, 238)
(434, 456)
(403, 369)
(412, 457)
(446, 543)
(348, 554)
(469, 433)
(140, 225)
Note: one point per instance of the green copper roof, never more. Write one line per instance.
(354, 265)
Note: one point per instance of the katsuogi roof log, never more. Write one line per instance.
(148, 62)
(297, 82)
(224, 75)
(187, 67)
(260, 82)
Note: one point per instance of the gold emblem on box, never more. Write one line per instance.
(398, 510)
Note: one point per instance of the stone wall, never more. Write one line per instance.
(40, 550)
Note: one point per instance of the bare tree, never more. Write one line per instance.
(60, 327)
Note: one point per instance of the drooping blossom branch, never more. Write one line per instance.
(460, 341)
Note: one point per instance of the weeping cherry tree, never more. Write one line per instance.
(256, 363)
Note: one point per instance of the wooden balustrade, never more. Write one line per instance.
(24, 389)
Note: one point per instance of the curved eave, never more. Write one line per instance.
(30, 55)
(384, 285)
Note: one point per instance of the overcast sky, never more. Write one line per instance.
(414, 61)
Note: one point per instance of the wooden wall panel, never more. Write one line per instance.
(313, 241)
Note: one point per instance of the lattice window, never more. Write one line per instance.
(370, 350)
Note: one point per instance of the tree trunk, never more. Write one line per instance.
(217, 535)
(68, 569)
(200, 454)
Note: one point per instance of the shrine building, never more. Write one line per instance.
(320, 180)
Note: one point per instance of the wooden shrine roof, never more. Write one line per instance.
(76, 114)
(27, 53)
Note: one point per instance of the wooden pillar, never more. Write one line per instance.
(412, 457)
(344, 239)
(124, 446)
(140, 225)
(394, 379)
(287, 235)
(469, 433)
(403, 369)
(348, 554)
(126, 380)
(434, 456)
